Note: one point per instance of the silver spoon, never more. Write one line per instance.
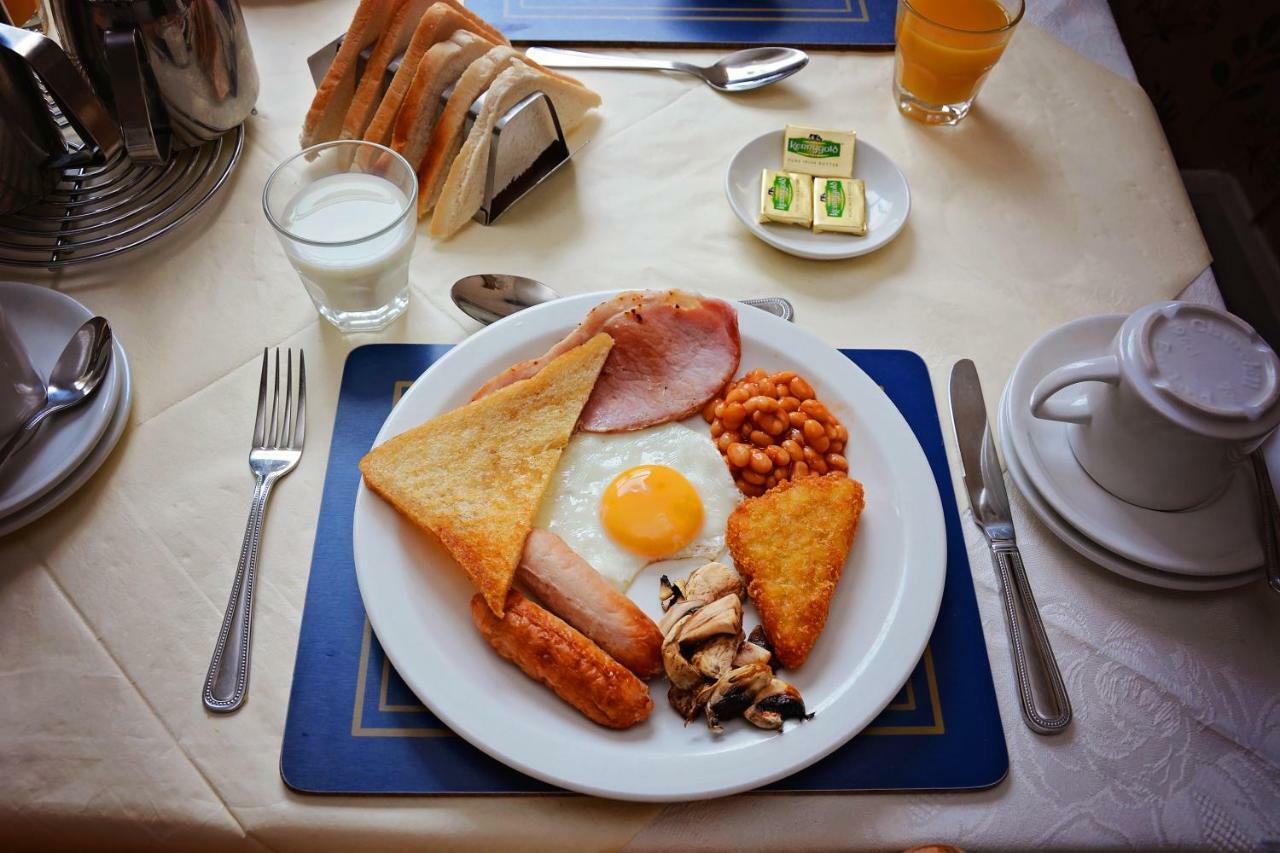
(737, 72)
(489, 297)
(75, 376)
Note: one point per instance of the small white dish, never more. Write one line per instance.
(1217, 538)
(1091, 550)
(68, 486)
(45, 320)
(880, 620)
(888, 201)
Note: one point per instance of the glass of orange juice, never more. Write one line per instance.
(20, 12)
(945, 49)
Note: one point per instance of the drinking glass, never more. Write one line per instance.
(347, 228)
(945, 50)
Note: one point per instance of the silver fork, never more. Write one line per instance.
(277, 447)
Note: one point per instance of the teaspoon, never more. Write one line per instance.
(75, 376)
(737, 72)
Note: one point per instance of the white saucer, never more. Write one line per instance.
(45, 320)
(888, 201)
(92, 462)
(1218, 538)
(1091, 550)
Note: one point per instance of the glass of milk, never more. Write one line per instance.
(346, 213)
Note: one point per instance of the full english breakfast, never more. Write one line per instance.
(569, 473)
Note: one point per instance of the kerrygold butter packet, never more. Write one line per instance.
(786, 197)
(824, 153)
(839, 205)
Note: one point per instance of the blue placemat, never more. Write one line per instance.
(354, 727)
(799, 23)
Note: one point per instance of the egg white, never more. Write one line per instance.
(571, 506)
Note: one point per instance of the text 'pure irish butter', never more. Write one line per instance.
(821, 153)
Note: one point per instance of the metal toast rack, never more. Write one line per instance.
(523, 113)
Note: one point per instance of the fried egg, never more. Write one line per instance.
(625, 500)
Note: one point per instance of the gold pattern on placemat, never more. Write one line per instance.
(937, 727)
(358, 728)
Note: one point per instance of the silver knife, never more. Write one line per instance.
(1045, 705)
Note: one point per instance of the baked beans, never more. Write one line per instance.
(773, 427)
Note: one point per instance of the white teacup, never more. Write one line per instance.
(21, 390)
(1185, 392)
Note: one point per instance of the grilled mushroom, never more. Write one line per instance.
(777, 701)
(734, 693)
(710, 668)
(716, 656)
(712, 581)
(678, 612)
(678, 668)
(722, 616)
(689, 703)
(760, 637)
(749, 652)
(690, 632)
(670, 592)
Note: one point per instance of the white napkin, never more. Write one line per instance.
(21, 391)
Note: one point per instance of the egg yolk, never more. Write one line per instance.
(651, 510)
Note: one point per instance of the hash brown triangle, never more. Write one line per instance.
(475, 476)
(791, 544)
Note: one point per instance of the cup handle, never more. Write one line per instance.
(1104, 369)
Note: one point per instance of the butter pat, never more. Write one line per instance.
(840, 205)
(821, 153)
(786, 197)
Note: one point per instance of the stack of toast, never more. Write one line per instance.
(441, 45)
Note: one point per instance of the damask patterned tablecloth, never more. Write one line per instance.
(109, 605)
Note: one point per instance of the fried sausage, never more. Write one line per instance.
(550, 651)
(568, 587)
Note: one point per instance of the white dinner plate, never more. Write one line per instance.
(80, 475)
(45, 320)
(881, 617)
(888, 201)
(1091, 550)
(1220, 537)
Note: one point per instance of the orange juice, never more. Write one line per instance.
(20, 11)
(945, 49)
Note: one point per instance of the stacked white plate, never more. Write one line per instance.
(1216, 545)
(72, 445)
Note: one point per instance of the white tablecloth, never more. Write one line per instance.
(108, 607)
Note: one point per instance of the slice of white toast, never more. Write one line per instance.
(393, 42)
(447, 136)
(333, 96)
(463, 190)
(437, 25)
(441, 67)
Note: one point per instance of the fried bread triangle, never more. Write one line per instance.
(475, 476)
